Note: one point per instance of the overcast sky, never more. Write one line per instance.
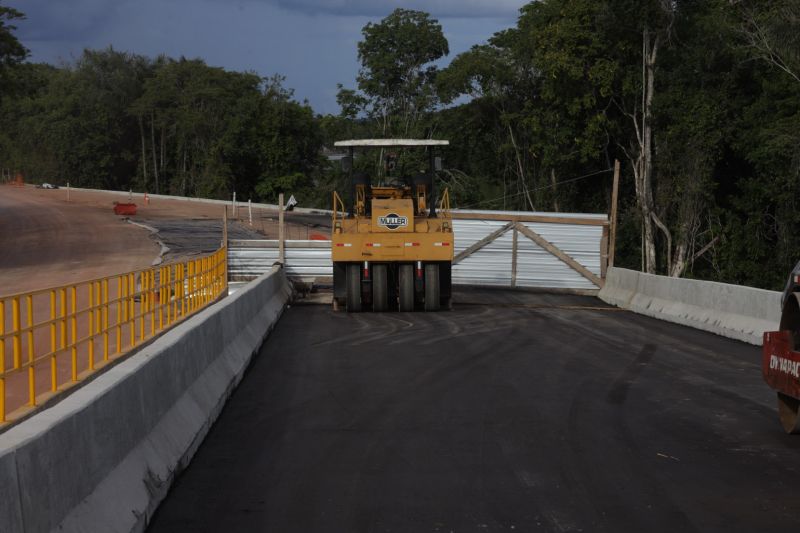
(311, 42)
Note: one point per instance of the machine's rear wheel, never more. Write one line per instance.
(788, 413)
(353, 288)
(432, 287)
(406, 276)
(380, 289)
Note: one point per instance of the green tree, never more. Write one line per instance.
(12, 53)
(396, 80)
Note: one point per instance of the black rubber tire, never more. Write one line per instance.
(353, 288)
(380, 289)
(432, 302)
(406, 282)
(788, 408)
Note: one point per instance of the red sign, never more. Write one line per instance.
(780, 365)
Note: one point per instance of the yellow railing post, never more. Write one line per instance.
(182, 287)
(173, 292)
(131, 309)
(123, 281)
(15, 327)
(160, 298)
(73, 290)
(98, 310)
(192, 285)
(142, 305)
(31, 353)
(90, 312)
(151, 283)
(168, 294)
(63, 295)
(53, 318)
(205, 281)
(105, 319)
(119, 315)
(53, 342)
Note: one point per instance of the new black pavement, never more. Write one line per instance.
(514, 412)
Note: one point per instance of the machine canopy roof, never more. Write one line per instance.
(390, 142)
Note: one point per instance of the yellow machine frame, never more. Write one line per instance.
(395, 231)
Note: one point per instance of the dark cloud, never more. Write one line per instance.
(381, 8)
(311, 42)
(65, 20)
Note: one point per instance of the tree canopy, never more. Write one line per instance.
(700, 101)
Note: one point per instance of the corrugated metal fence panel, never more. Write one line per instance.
(249, 263)
(538, 268)
(309, 263)
(248, 259)
(491, 265)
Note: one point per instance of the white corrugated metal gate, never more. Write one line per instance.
(504, 249)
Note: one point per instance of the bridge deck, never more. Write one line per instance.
(528, 412)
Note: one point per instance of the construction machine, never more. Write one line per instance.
(392, 242)
(780, 363)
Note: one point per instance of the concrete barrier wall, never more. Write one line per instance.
(742, 313)
(139, 197)
(104, 457)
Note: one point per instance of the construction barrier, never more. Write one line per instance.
(103, 458)
(52, 339)
(733, 311)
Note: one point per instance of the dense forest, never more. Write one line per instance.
(698, 99)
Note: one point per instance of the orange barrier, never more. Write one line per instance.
(124, 209)
(52, 339)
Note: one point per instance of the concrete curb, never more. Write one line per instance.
(164, 248)
(734, 311)
(239, 203)
(104, 457)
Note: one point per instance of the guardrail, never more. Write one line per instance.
(733, 311)
(52, 339)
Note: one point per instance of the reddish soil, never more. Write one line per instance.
(48, 242)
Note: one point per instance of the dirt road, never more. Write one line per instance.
(47, 242)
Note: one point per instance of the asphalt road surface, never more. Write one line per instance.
(190, 237)
(514, 412)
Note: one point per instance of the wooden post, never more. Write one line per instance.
(514, 259)
(225, 226)
(604, 253)
(281, 229)
(612, 240)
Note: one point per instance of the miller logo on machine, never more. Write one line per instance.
(393, 221)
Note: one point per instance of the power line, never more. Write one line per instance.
(539, 188)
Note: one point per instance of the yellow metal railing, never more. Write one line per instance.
(444, 203)
(339, 212)
(52, 339)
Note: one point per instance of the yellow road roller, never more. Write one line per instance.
(392, 236)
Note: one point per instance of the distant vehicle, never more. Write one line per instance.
(392, 249)
(47, 186)
(780, 363)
